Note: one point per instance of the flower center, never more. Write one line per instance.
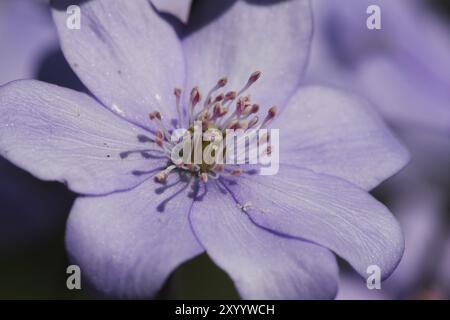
(207, 122)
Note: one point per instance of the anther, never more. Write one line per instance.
(255, 108)
(195, 96)
(230, 96)
(251, 80)
(236, 172)
(159, 134)
(254, 77)
(270, 115)
(154, 115)
(161, 177)
(219, 98)
(222, 82)
(204, 177)
(194, 99)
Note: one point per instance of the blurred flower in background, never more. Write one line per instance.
(404, 70)
(26, 37)
(32, 212)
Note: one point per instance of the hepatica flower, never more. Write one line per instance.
(140, 215)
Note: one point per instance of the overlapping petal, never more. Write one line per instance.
(128, 243)
(263, 265)
(326, 210)
(129, 57)
(333, 132)
(237, 38)
(60, 134)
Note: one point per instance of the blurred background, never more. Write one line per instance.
(403, 69)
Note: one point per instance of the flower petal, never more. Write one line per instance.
(60, 134)
(273, 38)
(128, 243)
(178, 8)
(262, 265)
(332, 132)
(326, 210)
(125, 54)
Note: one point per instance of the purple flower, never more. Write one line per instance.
(26, 35)
(410, 53)
(140, 216)
(30, 209)
(403, 69)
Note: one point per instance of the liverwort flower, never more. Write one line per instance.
(29, 210)
(238, 64)
(410, 53)
(403, 69)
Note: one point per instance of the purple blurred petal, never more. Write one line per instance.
(404, 97)
(26, 35)
(126, 55)
(248, 36)
(443, 276)
(326, 210)
(60, 134)
(332, 132)
(262, 265)
(352, 288)
(419, 214)
(402, 68)
(128, 243)
(178, 8)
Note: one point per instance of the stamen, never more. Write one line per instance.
(156, 116)
(270, 115)
(217, 110)
(255, 108)
(204, 177)
(253, 78)
(230, 96)
(194, 99)
(211, 116)
(177, 93)
(220, 84)
(253, 122)
(161, 177)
